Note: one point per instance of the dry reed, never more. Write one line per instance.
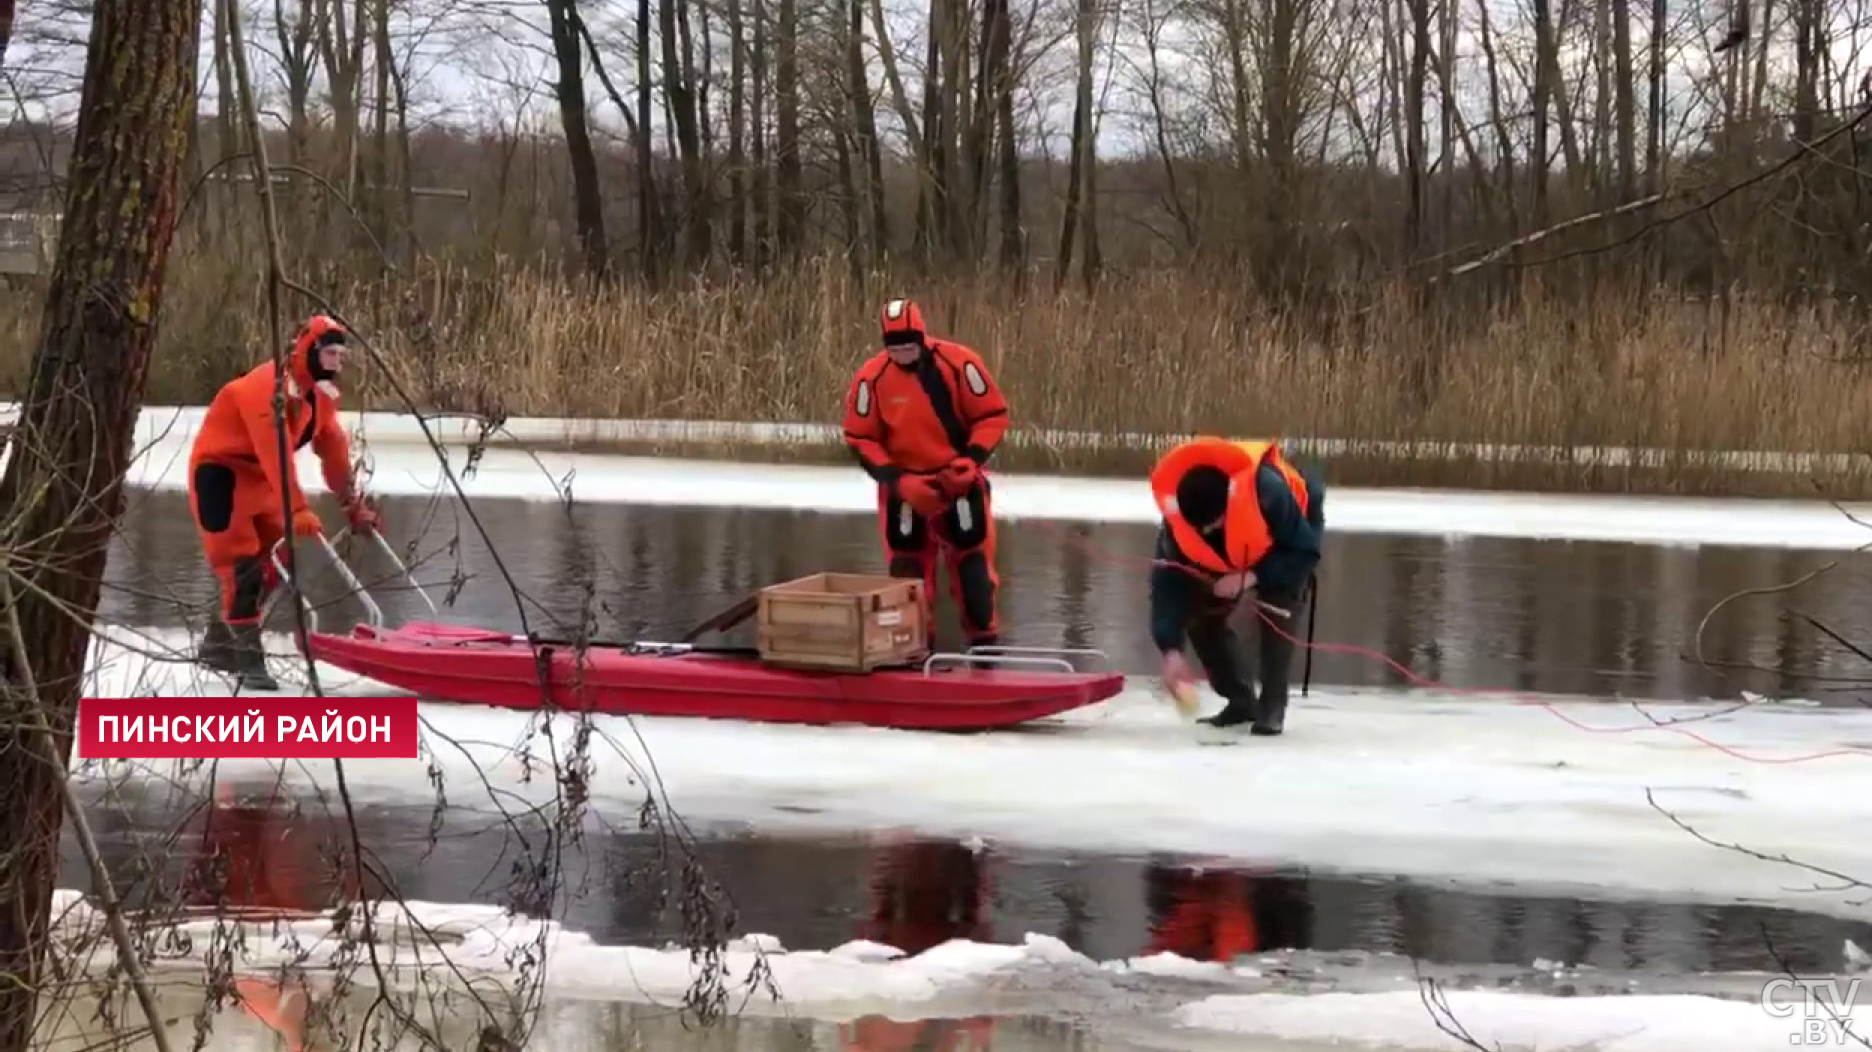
(1151, 354)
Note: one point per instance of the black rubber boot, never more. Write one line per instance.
(1237, 712)
(1220, 651)
(217, 648)
(1276, 660)
(250, 660)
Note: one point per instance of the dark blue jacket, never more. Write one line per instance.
(1176, 595)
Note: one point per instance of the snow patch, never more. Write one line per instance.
(1511, 1022)
(469, 943)
(1168, 965)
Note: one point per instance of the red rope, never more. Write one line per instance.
(1419, 680)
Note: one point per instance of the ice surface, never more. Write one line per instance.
(423, 945)
(1469, 791)
(1518, 1022)
(403, 465)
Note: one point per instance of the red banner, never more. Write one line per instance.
(348, 728)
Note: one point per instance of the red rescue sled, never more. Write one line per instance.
(981, 689)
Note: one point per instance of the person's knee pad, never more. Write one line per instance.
(214, 497)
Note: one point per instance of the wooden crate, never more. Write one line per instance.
(843, 621)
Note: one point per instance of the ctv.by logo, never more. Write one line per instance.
(1821, 1010)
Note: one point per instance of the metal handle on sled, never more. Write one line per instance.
(373, 613)
(930, 663)
(1000, 656)
(1059, 653)
(402, 569)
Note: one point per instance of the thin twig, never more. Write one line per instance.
(1846, 881)
(276, 276)
(87, 843)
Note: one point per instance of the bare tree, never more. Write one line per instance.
(63, 486)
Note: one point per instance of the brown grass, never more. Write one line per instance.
(1152, 354)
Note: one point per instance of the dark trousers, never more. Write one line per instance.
(1234, 668)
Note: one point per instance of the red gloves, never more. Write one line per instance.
(363, 516)
(924, 493)
(960, 476)
(306, 523)
(928, 493)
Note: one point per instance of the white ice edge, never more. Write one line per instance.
(401, 465)
(477, 945)
(1462, 791)
(460, 428)
(1513, 1022)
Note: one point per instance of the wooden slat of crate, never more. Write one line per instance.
(849, 622)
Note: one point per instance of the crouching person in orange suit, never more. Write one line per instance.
(923, 416)
(240, 499)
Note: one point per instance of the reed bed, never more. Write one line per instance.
(1499, 397)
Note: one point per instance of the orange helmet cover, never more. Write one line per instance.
(902, 322)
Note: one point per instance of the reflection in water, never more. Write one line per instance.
(821, 892)
(428, 1022)
(259, 854)
(924, 893)
(1482, 613)
(1220, 914)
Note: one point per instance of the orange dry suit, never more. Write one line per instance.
(924, 893)
(236, 488)
(924, 432)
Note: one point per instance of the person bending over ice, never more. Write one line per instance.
(1238, 521)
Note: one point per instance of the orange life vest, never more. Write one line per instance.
(1245, 530)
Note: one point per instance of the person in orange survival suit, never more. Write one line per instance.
(923, 416)
(238, 497)
(1236, 517)
(923, 894)
(1218, 914)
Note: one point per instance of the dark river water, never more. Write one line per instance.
(1472, 613)
(818, 892)
(1587, 618)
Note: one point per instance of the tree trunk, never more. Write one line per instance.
(63, 488)
(1414, 145)
(758, 108)
(864, 126)
(737, 134)
(1626, 76)
(791, 221)
(1079, 187)
(382, 199)
(1543, 90)
(679, 91)
(569, 87)
(649, 214)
